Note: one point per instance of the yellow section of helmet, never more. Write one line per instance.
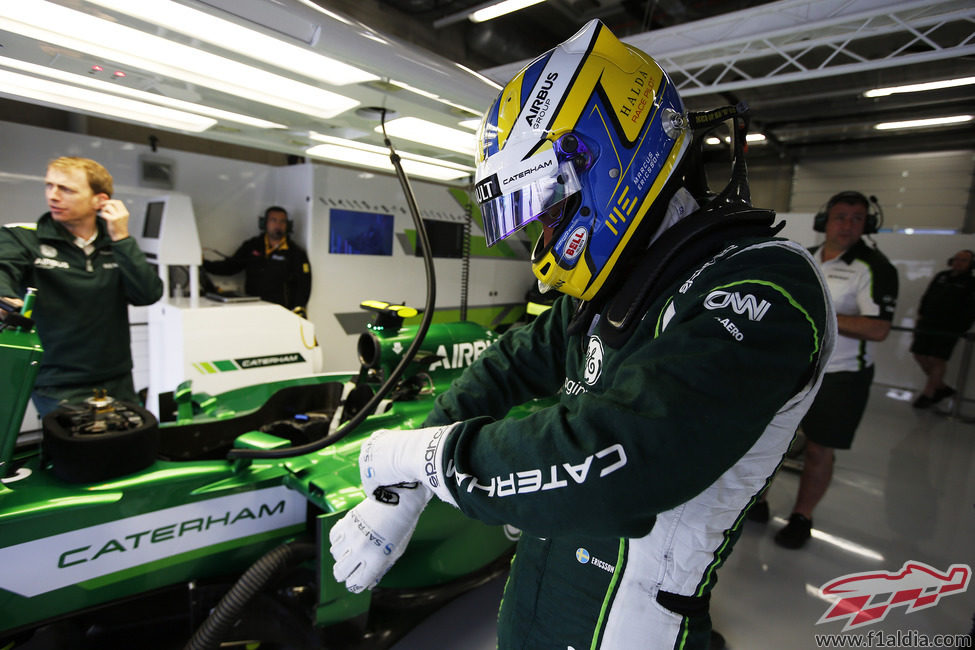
(630, 81)
(628, 77)
(509, 108)
(626, 81)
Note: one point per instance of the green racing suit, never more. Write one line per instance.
(82, 300)
(631, 491)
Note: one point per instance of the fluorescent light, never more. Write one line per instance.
(323, 10)
(473, 125)
(368, 155)
(239, 39)
(914, 124)
(19, 85)
(424, 132)
(754, 138)
(430, 95)
(712, 140)
(915, 88)
(59, 25)
(141, 95)
(496, 9)
(490, 82)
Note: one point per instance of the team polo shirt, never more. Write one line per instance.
(862, 282)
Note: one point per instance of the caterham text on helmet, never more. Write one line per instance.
(583, 139)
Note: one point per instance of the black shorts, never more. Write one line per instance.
(838, 408)
(929, 344)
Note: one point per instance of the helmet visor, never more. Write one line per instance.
(527, 195)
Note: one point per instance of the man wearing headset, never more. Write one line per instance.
(276, 268)
(632, 488)
(863, 286)
(946, 312)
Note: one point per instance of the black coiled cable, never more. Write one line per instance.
(272, 564)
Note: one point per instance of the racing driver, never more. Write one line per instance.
(688, 345)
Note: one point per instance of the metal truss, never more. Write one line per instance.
(795, 40)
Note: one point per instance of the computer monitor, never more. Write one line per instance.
(352, 232)
(153, 223)
(446, 239)
(169, 235)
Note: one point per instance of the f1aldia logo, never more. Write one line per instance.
(594, 361)
(866, 598)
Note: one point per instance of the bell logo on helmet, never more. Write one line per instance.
(540, 104)
(577, 244)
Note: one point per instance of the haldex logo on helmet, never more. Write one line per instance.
(539, 106)
(639, 97)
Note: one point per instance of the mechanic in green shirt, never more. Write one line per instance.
(86, 270)
(688, 345)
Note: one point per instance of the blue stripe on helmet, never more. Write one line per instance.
(490, 142)
(532, 73)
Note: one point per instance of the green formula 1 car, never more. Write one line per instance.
(120, 531)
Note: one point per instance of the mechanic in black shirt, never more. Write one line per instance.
(276, 267)
(946, 312)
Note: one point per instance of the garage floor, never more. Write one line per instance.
(905, 492)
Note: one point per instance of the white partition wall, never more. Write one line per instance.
(229, 195)
(923, 190)
(917, 258)
(342, 280)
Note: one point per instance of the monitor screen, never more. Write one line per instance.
(153, 223)
(446, 239)
(360, 233)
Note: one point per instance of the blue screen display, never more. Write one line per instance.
(360, 233)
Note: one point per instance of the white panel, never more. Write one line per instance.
(341, 282)
(291, 188)
(917, 259)
(928, 190)
(224, 346)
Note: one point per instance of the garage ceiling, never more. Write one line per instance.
(802, 65)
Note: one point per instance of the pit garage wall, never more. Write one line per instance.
(917, 259)
(498, 279)
(925, 191)
(229, 195)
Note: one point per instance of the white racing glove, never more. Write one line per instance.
(397, 457)
(373, 535)
(401, 470)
